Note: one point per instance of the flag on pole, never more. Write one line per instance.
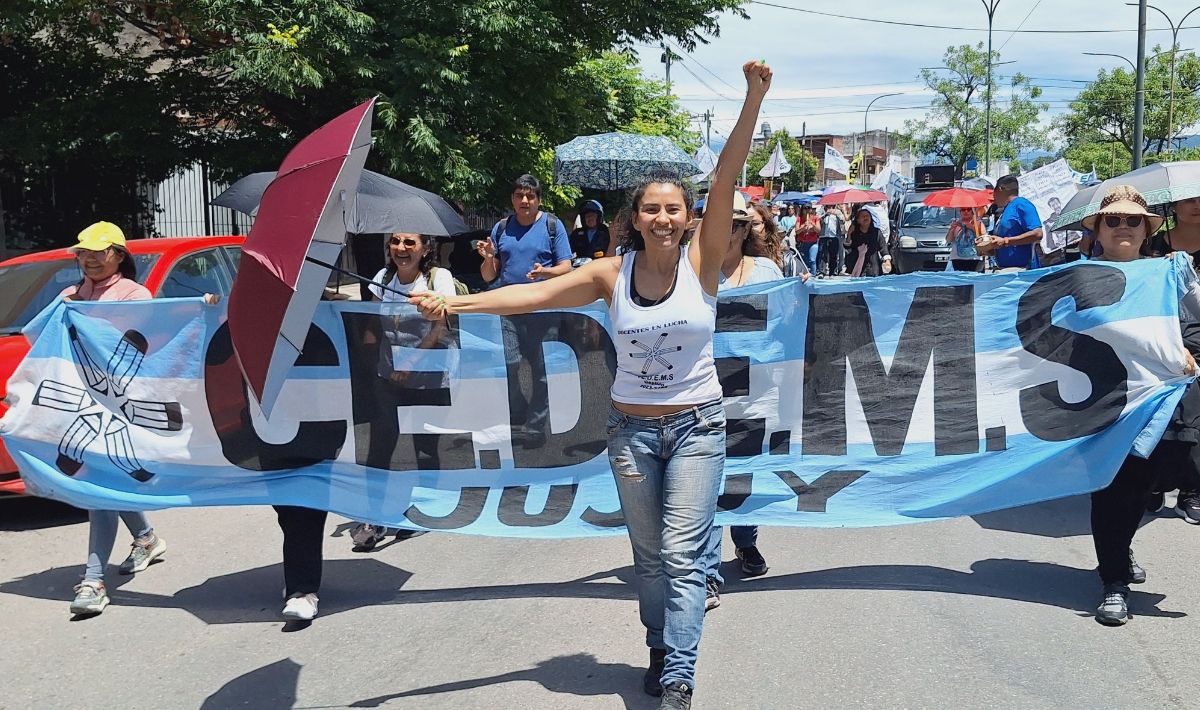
(707, 160)
(777, 165)
(835, 161)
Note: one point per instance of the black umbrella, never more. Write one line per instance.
(383, 205)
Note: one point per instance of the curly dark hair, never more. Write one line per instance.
(426, 264)
(770, 244)
(630, 238)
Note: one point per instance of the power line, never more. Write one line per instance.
(945, 27)
(1014, 33)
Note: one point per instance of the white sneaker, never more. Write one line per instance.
(302, 607)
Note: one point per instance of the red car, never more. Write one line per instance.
(170, 268)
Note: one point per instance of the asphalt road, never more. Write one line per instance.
(992, 612)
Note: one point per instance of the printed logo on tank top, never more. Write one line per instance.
(657, 369)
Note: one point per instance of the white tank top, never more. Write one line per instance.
(664, 351)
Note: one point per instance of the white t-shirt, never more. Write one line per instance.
(443, 283)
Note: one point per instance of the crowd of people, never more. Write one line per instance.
(663, 266)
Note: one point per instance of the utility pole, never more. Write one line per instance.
(666, 59)
(708, 117)
(1139, 101)
(1171, 88)
(990, 6)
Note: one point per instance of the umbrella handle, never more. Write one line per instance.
(353, 275)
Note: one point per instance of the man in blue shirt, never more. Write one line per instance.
(520, 250)
(1018, 228)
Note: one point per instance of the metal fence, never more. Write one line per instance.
(182, 209)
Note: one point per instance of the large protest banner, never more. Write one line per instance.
(867, 402)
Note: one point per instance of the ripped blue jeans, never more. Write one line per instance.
(668, 472)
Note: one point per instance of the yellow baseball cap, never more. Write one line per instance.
(100, 236)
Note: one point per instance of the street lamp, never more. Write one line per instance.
(1171, 90)
(1139, 106)
(867, 112)
(1129, 61)
(990, 6)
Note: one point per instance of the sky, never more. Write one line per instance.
(827, 69)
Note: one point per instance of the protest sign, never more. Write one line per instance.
(869, 402)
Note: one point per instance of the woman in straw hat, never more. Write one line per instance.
(1123, 225)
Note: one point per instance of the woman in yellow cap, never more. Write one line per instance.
(1123, 226)
(109, 274)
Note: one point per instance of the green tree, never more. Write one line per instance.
(804, 165)
(1108, 159)
(955, 129)
(1103, 111)
(111, 96)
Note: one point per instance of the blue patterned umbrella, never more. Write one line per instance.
(613, 161)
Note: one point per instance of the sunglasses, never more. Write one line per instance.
(410, 242)
(85, 253)
(1114, 221)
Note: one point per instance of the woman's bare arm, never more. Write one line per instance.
(590, 282)
(718, 212)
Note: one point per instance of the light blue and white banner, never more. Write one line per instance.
(859, 403)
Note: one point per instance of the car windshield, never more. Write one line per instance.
(918, 214)
(30, 287)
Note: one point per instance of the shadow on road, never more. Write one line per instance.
(1019, 580)
(1065, 517)
(272, 686)
(578, 674)
(31, 513)
(249, 596)
(254, 595)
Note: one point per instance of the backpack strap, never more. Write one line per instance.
(552, 229)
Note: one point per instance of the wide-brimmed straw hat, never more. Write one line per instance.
(741, 212)
(1123, 200)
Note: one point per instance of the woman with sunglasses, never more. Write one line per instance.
(411, 267)
(109, 274)
(960, 237)
(1122, 226)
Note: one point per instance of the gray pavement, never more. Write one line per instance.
(991, 612)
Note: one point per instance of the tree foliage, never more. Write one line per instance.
(955, 128)
(106, 97)
(1103, 112)
(804, 165)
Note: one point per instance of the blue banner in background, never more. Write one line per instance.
(858, 403)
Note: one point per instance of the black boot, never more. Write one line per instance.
(652, 681)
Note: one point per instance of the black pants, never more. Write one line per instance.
(829, 256)
(1117, 509)
(303, 535)
(968, 265)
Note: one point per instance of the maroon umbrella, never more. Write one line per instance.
(300, 221)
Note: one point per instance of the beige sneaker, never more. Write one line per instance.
(143, 553)
(90, 598)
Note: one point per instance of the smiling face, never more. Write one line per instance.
(662, 215)
(1187, 212)
(405, 252)
(1119, 239)
(99, 265)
